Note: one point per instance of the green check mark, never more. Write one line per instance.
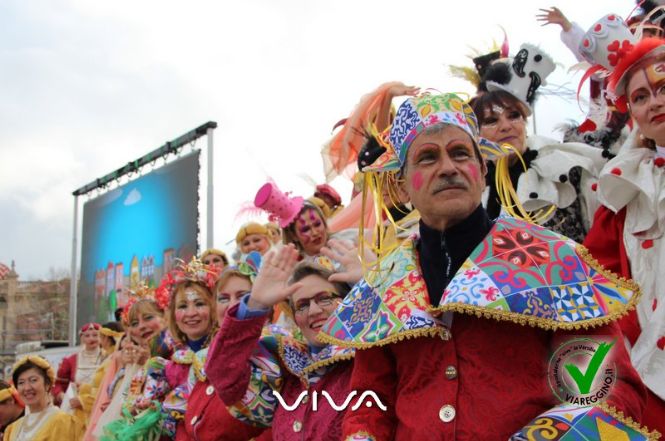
(585, 380)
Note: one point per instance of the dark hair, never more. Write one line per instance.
(118, 314)
(483, 102)
(26, 367)
(113, 326)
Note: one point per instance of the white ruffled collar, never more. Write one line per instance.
(634, 180)
(660, 152)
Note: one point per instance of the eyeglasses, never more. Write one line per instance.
(322, 300)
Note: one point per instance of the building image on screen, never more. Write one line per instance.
(134, 233)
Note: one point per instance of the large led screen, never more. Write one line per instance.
(133, 234)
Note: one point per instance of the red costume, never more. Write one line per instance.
(470, 369)
(207, 419)
(605, 242)
(485, 383)
(245, 371)
(66, 374)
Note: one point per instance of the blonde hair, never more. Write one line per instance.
(251, 228)
(215, 252)
(205, 293)
(226, 276)
(142, 307)
(274, 231)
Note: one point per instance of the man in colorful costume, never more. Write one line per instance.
(441, 320)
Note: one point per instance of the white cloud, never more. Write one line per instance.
(134, 197)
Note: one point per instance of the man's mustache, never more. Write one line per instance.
(448, 182)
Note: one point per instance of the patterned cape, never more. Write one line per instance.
(570, 423)
(520, 272)
(278, 349)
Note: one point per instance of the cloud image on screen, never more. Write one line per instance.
(133, 234)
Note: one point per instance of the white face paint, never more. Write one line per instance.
(191, 295)
(497, 109)
(192, 314)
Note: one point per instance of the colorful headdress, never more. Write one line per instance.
(248, 265)
(194, 271)
(215, 252)
(613, 51)
(89, 326)
(327, 190)
(39, 362)
(389, 149)
(385, 153)
(143, 292)
(481, 63)
(528, 71)
(282, 207)
(251, 228)
(11, 392)
(321, 205)
(111, 333)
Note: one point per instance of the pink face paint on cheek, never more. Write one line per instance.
(301, 223)
(417, 181)
(179, 314)
(474, 172)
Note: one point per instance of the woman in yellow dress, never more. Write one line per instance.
(34, 378)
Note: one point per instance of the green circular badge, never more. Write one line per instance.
(581, 371)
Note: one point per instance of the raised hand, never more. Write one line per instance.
(347, 254)
(401, 89)
(395, 89)
(554, 16)
(270, 285)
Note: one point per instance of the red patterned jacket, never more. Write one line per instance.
(232, 363)
(207, 419)
(484, 375)
(485, 383)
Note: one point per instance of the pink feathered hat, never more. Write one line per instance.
(283, 208)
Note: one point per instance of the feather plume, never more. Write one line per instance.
(248, 210)
(465, 73)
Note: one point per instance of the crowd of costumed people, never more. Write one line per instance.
(428, 307)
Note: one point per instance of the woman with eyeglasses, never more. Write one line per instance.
(257, 371)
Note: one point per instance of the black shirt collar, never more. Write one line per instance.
(442, 253)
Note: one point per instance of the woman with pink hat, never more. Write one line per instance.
(627, 236)
(302, 222)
